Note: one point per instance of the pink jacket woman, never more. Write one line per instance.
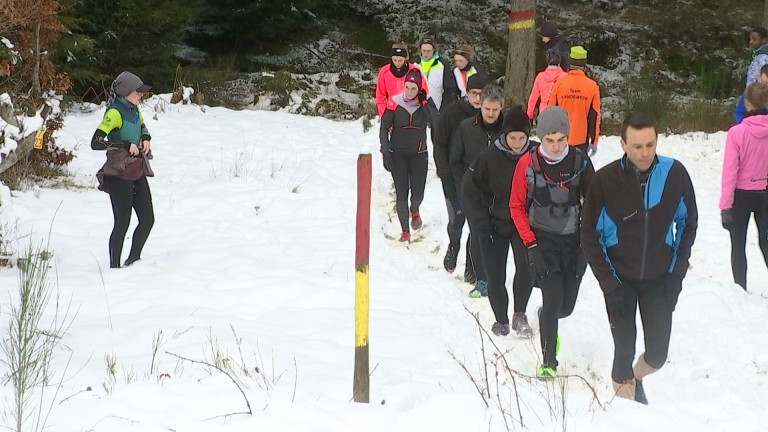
(743, 189)
(542, 86)
(745, 162)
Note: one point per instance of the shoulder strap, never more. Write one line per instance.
(536, 171)
(534, 160)
(578, 160)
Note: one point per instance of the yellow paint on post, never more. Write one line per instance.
(361, 306)
(519, 25)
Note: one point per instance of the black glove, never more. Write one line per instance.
(726, 217)
(619, 301)
(387, 159)
(673, 284)
(422, 95)
(579, 263)
(536, 261)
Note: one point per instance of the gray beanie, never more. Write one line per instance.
(552, 120)
(126, 82)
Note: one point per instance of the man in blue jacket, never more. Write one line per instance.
(758, 42)
(638, 226)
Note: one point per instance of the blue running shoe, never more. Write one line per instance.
(480, 290)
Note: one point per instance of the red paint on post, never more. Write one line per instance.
(363, 228)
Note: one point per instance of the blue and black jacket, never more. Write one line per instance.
(638, 226)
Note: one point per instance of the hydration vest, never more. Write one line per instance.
(130, 131)
(558, 195)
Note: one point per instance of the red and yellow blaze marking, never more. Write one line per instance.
(520, 20)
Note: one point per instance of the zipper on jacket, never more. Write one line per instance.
(646, 204)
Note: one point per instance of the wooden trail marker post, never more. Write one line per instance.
(361, 380)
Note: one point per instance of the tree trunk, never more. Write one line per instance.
(36, 73)
(521, 53)
(765, 14)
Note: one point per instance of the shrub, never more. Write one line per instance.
(43, 164)
(31, 343)
(644, 94)
(704, 115)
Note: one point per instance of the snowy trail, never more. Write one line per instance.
(712, 321)
(255, 234)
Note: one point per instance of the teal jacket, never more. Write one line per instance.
(123, 122)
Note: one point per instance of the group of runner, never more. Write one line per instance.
(634, 220)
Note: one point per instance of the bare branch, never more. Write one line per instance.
(247, 403)
(471, 379)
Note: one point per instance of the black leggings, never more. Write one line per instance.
(126, 195)
(656, 316)
(495, 252)
(409, 172)
(456, 219)
(745, 203)
(560, 288)
(456, 216)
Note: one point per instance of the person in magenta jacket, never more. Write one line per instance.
(391, 79)
(544, 81)
(743, 188)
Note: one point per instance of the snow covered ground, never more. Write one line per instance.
(250, 265)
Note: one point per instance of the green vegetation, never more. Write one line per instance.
(137, 35)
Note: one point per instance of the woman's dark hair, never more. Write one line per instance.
(638, 120)
(552, 57)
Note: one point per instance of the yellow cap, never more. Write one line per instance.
(578, 53)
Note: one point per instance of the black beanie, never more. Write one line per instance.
(477, 81)
(516, 120)
(548, 29)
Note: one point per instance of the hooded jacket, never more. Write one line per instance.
(745, 160)
(560, 45)
(542, 87)
(404, 128)
(487, 186)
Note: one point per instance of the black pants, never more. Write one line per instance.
(560, 288)
(126, 195)
(476, 257)
(495, 249)
(456, 217)
(656, 316)
(409, 172)
(745, 203)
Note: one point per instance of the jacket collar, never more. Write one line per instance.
(479, 121)
(627, 165)
(508, 152)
